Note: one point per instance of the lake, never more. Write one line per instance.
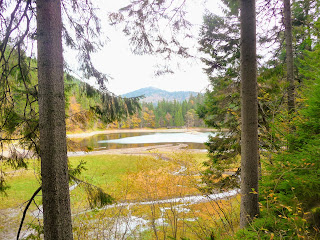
(194, 140)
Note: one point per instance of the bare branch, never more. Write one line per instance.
(26, 209)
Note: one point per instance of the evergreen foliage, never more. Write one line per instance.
(219, 40)
(289, 188)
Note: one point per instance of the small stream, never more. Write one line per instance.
(182, 200)
(130, 225)
(127, 225)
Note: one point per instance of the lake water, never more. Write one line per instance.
(194, 140)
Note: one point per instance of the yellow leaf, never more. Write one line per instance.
(272, 236)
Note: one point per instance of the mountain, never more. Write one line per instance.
(154, 95)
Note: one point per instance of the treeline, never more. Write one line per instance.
(79, 100)
(88, 108)
(165, 114)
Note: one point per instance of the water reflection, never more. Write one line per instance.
(194, 140)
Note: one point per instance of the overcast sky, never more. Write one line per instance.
(130, 72)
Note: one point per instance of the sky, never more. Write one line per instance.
(130, 72)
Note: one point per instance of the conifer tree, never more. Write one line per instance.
(289, 56)
(249, 208)
(52, 125)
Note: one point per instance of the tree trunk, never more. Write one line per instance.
(289, 56)
(307, 24)
(53, 146)
(249, 115)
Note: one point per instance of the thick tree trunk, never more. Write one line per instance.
(249, 115)
(289, 56)
(53, 146)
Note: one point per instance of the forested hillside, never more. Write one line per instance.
(161, 114)
(78, 104)
(168, 114)
(85, 107)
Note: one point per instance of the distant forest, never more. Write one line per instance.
(81, 97)
(165, 114)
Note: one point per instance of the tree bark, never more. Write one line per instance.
(249, 115)
(53, 146)
(289, 56)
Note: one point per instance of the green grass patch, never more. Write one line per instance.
(103, 170)
(109, 172)
(22, 184)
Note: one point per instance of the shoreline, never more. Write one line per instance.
(146, 130)
(164, 148)
(135, 150)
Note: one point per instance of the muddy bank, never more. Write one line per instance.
(140, 150)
